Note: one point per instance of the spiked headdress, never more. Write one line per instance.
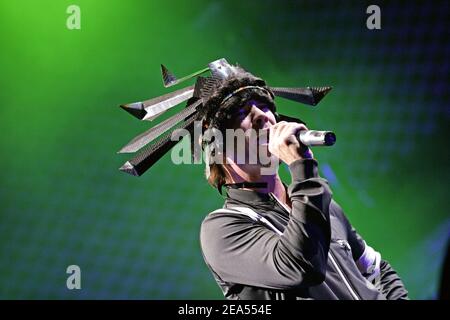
(210, 99)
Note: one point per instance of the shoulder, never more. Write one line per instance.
(219, 230)
(223, 218)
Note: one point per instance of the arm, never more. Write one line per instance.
(372, 266)
(390, 283)
(240, 251)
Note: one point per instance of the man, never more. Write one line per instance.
(272, 241)
(269, 241)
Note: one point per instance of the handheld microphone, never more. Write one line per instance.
(313, 138)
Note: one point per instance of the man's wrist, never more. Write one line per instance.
(302, 169)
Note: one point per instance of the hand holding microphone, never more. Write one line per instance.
(289, 141)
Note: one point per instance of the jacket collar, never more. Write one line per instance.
(247, 196)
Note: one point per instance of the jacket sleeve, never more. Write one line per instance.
(390, 283)
(242, 251)
(372, 266)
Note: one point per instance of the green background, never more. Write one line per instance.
(63, 200)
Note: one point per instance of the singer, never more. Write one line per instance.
(272, 240)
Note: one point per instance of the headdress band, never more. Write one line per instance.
(241, 89)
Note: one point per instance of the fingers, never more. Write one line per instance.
(284, 144)
(286, 131)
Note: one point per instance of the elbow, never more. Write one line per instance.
(315, 268)
(315, 276)
(306, 277)
(305, 271)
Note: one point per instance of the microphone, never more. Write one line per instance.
(311, 138)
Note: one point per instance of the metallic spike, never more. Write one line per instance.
(148, 136)
(128, 168)
(157, 106)
(148, 157)
(309, 96)
(222, 69)
(170, 80)
(319, 92)
(208, 86)
(136, 109)
(152, 108)
(204, 85)
(198, 86)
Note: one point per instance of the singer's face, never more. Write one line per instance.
(254, 115)
(252, 122)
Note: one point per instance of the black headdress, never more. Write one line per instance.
(210, 99)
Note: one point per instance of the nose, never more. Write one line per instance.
(259, 117)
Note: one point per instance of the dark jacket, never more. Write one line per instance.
(312, 252)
